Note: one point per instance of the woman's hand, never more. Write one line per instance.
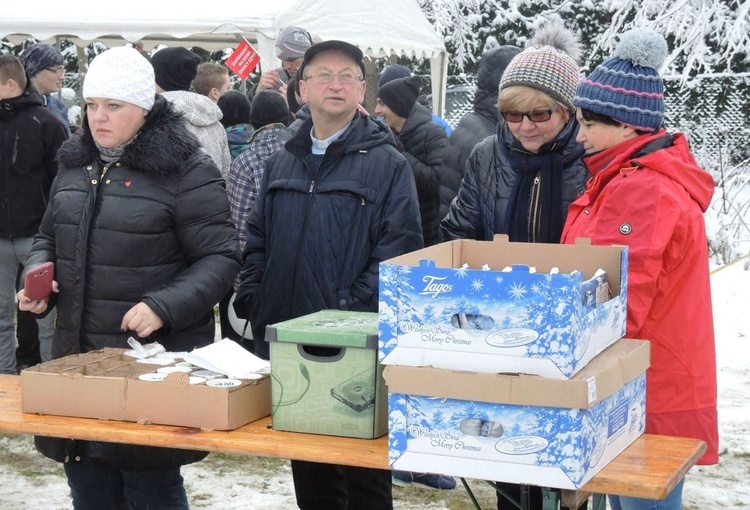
(39, 306)
(142, 320)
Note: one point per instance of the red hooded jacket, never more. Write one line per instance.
(650, 194)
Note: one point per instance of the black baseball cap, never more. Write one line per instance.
(333, 45)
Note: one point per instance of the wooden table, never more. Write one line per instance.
(649, 468)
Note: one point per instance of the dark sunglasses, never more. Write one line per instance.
(533, 116)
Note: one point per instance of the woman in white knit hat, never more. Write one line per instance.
(139, 230)
(647, 192)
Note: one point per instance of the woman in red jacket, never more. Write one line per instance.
(648, 192)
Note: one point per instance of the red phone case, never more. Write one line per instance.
(38, 283)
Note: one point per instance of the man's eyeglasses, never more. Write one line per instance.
(533, 116)
(326, 77)
(59, 71)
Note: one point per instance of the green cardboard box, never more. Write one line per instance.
(325, 375)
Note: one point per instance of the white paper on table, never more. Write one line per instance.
(229, 358)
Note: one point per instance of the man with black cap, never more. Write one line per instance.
(334, 202)
(175, 69)
(423, 143)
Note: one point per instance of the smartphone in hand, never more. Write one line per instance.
(38, 284)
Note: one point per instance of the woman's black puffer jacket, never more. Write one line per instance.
(152, 227)
(479, 212)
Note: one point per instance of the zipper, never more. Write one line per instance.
(311, 195)
(534, 209)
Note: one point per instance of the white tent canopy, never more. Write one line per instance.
(379, 29)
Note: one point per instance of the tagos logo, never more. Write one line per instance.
(521, 445)
(434, 287)
(513, 337)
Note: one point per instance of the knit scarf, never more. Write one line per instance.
(549, 167)
(112, 154)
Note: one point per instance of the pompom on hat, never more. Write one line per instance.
(549, 64)
(122, 74)
(627, 87)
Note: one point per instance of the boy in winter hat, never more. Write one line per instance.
(649, 193)
(46, 68)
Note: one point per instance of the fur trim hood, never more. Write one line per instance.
(161, 146)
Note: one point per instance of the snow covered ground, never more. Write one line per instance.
(226, 482)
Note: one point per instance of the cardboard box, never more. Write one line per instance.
(434, 312)
(104, 384)
(518, 428)
(326, 376)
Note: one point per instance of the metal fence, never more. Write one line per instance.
(714, 112)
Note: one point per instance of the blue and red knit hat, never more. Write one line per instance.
(627, 87)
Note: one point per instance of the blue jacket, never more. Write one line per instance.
(315, 237)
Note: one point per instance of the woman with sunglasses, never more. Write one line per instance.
(521, 180)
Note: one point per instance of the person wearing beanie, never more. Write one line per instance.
(521, 180)
(422, 142)
(647, 192)
(174, 71)
(395, 71)
(46, 68)
(30, 138)
(475, 125)
(174, 68)
(138, 229)
(291, 44)
(269, 116)
(235, 108)
(333, 202)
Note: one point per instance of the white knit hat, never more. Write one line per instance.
(122, 74)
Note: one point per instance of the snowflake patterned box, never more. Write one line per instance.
(439, 308)
(518, 428)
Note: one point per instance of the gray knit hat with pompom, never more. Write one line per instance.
(549, 64)
(627, 87)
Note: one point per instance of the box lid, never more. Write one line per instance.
(609, 371)
(337, 328)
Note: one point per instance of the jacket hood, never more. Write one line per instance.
(197, 109)
(489, 72)
(164, 128)
(363, 133)
(30, 97)
(673, 160)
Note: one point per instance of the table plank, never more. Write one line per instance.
(649, 468)
(255, 438)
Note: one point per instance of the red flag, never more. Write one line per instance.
(243, 60)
